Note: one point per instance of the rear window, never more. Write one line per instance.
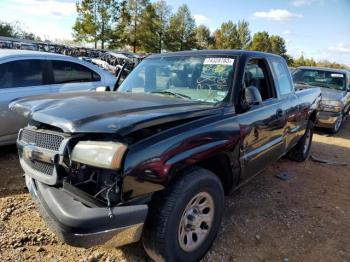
(69, 72)
(283, 78)
(320, 78)
(23, 73)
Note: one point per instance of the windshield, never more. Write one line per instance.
(320, 78)
(198, 78)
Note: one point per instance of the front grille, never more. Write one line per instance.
(41, 167)
(43, 140)
(38, 151)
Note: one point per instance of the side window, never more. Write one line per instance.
(283, 77)
(256, 74)
(21, 73)
(69, 72)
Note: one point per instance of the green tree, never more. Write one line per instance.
(203, 37)
(261, 42)
(243, 34)
(163, 12)
(278, 46)
(227, 36)
(181, 32)
(132, 24)
(149, 34)
(326, 63)
(16, 30)
(7, 29)
(301, 61)
(95, 19)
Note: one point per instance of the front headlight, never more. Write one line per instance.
(107, 155)
(332, 105)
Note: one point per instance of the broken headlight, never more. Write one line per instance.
(106, 155)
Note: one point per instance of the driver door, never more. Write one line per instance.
(262, 125)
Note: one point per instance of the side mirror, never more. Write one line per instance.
(252, 95)
(103, 89)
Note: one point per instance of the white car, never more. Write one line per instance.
(29, 73)
(111, 61)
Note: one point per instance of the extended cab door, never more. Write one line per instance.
(262, 125)
(289, 102)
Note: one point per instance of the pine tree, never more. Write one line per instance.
(163, 12)
(203, 37)
(130, 28)
(95, 20)
(227, 36)
(181, 33)
(261, 42)
(243, 34)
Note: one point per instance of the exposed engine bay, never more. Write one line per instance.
(93, 187)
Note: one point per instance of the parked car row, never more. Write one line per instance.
(30, 73)
(113, 62)
(109, 60)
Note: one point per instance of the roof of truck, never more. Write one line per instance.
(215, 52)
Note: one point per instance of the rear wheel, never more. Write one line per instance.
(184, 219)
(301, 150)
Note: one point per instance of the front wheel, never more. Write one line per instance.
(337, 124)
(301, 150)
(184, 219)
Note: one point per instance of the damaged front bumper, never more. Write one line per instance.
(82, 226)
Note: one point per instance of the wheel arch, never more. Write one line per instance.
(222, 167)
(313, 116)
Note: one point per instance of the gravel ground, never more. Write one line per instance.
(304, 219)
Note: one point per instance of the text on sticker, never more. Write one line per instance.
(337, 75)
(218, 61)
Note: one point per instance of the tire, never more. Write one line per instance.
(300, 152)
(165, 234)
(338, 124)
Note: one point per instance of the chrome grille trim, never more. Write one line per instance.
(40, 167)
(43, 140)
(41, 152)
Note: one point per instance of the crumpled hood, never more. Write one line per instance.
(327, 93)
(109, 112)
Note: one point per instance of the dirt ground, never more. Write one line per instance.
(304, 219)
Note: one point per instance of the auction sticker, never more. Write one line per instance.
(218, 61)
(337, 75)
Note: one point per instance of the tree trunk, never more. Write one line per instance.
(103, 36)
(160, 42)
(135, 26)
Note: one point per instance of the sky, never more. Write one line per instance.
(314, 28)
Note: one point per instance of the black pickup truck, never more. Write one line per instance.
(154, 159)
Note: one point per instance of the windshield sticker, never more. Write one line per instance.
(218, 61)
(337, 75)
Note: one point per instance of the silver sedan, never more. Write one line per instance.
(30, 73)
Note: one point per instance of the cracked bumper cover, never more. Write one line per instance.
(81, 226)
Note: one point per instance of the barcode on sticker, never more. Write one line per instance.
(218, 61)
(337, 75)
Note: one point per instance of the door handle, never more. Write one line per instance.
(279, 113)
